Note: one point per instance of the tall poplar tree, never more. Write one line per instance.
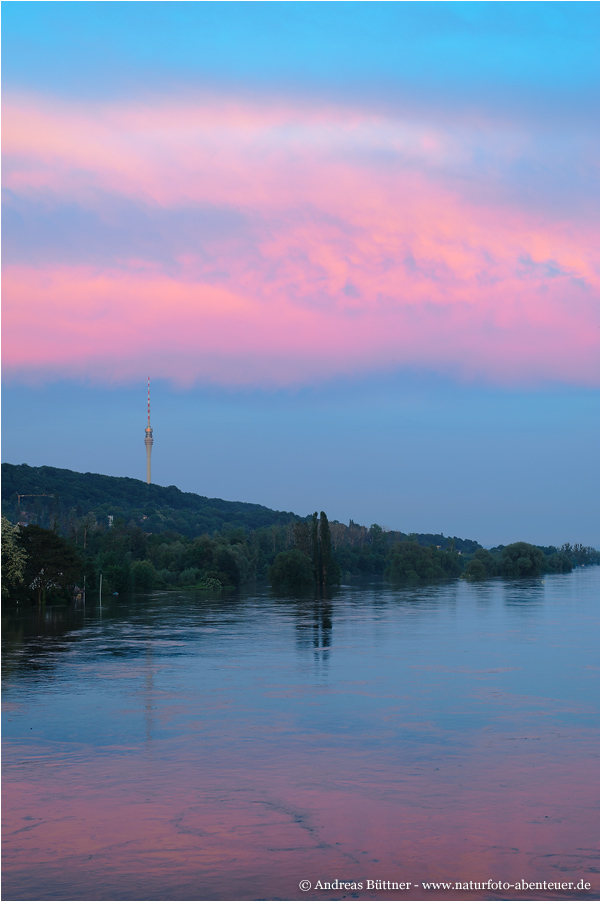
(315, 555)
(325, 547)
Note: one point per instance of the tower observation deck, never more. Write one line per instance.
(148, 439)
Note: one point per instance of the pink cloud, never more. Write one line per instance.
(353, 265)
(75, 321)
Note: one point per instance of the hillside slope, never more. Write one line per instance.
(54, 495)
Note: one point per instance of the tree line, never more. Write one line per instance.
(301, 555)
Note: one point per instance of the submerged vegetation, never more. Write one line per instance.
(310, 564)
(63, 544)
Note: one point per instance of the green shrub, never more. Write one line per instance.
(291, 571)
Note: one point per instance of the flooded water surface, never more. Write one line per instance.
(175, 746)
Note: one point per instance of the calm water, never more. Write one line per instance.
(177, 747)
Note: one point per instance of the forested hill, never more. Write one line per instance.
(147, 536)
(55, 496)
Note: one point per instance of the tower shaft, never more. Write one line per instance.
(148, 442)
(148, 439)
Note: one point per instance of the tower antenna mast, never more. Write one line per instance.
(148, 440)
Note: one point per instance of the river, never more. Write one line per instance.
(175, 747)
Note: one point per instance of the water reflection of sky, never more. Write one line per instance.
(449, 728)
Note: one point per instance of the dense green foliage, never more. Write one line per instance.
(310, 564)
(409, 562)
(134, 548)
(51, 496)
(579, 555)
(292, 571)
(51, 565)
(13, 559)
(522, 559)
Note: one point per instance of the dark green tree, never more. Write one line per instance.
(579, 555)
(116, 573)
(51, 565)
(558, 563)
(315, 555)
(329, 572)
(292, 571)
(228, 562)
(487, 560)
(522, 559)
(481, 566)
(475, 570)
(13, 558)
(313, 547)
(409, 562)
(302, 537)
(143, 576)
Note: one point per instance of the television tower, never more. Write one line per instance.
(148, 440)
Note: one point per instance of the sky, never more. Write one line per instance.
(354, 245)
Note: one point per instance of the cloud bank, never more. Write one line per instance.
(212, 239)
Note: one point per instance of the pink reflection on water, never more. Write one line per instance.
(251, 822)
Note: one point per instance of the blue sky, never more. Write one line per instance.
(409, 453)
(531, 46)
